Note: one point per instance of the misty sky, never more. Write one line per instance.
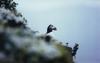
(77, 22)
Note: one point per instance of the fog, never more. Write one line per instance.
(77, 22)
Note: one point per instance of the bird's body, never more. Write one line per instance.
(75, 48)
(50, 28)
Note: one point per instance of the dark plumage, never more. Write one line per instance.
(75, 48)
(51, 28)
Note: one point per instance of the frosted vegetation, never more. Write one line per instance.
(19, 44)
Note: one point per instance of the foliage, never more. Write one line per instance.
(11, 5)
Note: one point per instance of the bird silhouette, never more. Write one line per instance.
(50, 28)
(75, 48)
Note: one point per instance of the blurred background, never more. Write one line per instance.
(77, 21)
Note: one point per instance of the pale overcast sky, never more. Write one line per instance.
(76, 20)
